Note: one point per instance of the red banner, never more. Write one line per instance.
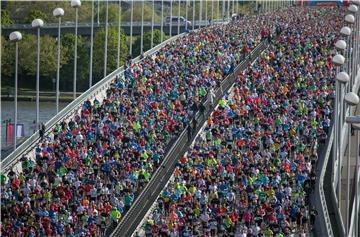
(10, 133)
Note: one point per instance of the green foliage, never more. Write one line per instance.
(28, 59)
(5, 18)
(67, 71)
(147, 41)
(34, 14)
(99, 51)
(48, 55)
(23, 11)
(6, 59)
(126, 16)
(113, 13)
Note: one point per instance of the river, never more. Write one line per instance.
(26, 115)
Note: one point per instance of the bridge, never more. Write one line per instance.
(85, 28)
(330, 221)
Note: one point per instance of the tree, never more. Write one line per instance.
(113, 13)
(28, 59)
(48, 55)
(126, 16)
(147, 41)
(112, 51)
(82, 72)
(23, 11)
(6, 61)
(5, 18)
(34, 14)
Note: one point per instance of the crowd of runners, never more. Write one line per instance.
(251, 170)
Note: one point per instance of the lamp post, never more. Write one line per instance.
(170, 25)
(75, 4)
(106, 36)
(37, 23)
(186, 15)
(350, 19)
(91, 44)
(206, 13)
(162, 21)
(354, 59)
(119, 36)
(152, 24)
(338, 60)
(193, 16)
(179, 13)
(142, 28)
(218, 8)
(15, 37)
(212, 12)
(228, 9)
(346, 32)
(58, 12)
(341, 45)
(98, 12)
(355, 121)
(200, 15)
(131, 25)
(342, 78)
(352, 100)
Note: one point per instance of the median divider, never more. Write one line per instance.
(149, 194)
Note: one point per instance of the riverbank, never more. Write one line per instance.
(44, 96)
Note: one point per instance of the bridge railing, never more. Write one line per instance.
(71, 109)
(102, 24)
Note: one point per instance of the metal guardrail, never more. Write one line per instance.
(320, 199)
(102, 24)
(325, 210)
(147, 197)
(71, 109)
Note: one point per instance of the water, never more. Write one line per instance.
(26, 115)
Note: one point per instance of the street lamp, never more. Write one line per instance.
(353, 8)
(170, 25)
(349, 18)
(352, 100)
(119, 36)
(200, 13)
(212, 12)
(338, 60)
(354, 46)
(162, 22)
(152, 24)
(340, 44)
(75, 4)
(58, 12)
(15, 37)
(106, 36)
(131, 26)
(178, 28)
(342, 78)
(193, 15)
(346, 32)
(355, 122)
(37, 23)
(142, 28)
(91, 44)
